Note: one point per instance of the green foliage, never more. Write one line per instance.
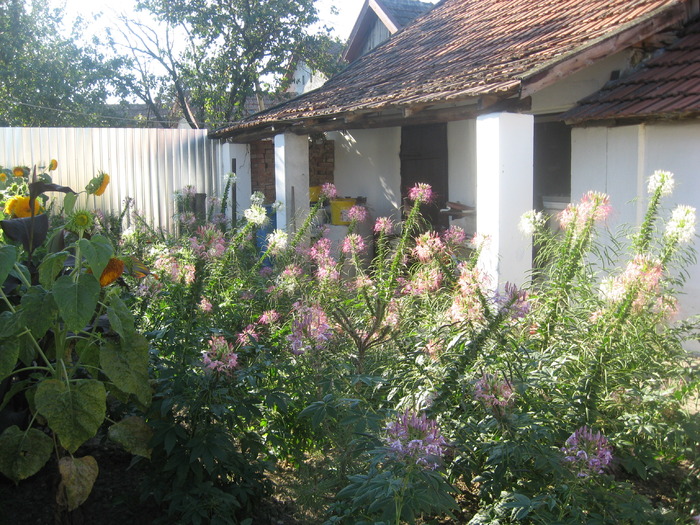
(54, 328)
(48, 79)
(281, 351)
(22, 454)
(229, 47)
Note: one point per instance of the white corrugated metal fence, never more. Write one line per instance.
(147, 165)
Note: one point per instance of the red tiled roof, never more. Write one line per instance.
(465, 49)
(665, 86)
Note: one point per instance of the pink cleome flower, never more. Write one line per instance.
(416, 438)
(357, 214)
(383, 225)
(587, 452)
(329, 191)
(428, 245)
(494, 393)
(353, 244)
(220, 357)
(421, 192)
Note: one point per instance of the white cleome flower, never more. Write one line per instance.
(257, 199)
(277, 241)
(530, 222)
(681, 225)
(661, 180)
(256, 215)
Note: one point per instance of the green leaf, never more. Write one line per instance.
(38, 311)
(8, 257)
(78, 476)
(10, 324)
(120, 318)
(27, 350)
(88, 351)
(30, 231)
(74, 412)
(9, 353)
(97, 251)
(69, 202)
(76, 300)
(50, 267)
(126, 364)
(134, 434)
(22, 454)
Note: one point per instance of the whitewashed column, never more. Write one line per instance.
(292, 180)
(240, 153)
(504, 165)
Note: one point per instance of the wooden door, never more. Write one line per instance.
(424, 159)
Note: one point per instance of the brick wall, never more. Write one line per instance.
(262, 165)
(262, 168)
(321, 162)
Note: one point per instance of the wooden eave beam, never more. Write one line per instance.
(550, 73)
(375, 119)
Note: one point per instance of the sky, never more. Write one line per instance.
(341, 23)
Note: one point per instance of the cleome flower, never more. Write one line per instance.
(421, 192)
(256, 215)
(383, 225)
(310, 328)
(220, 356)
(277, 242)
(681, 226)
(494, 393)
(587, 452)
(661, 181)
(530, 222)
(415, 438)
(357, 213)
(594, 207)
(328, 191)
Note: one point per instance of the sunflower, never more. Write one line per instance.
(53, 164)
(98, 185)
(3, 176)
(80, 221)
(112, 272)
(20, 171)
(18, 207)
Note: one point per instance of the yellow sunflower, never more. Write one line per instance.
(98, 185)
(3, 177)
(18, 206)
(19, 171)
(53, 164)
(112, 272)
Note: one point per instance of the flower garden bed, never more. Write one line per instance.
(377, 380)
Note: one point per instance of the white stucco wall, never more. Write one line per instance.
(566, 92)
(461, 168)
(619, 162)
(367, 164)
(292, 179)
(241, 154)
(504, 167)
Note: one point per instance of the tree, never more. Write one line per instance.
(47, 79)
(213, 55)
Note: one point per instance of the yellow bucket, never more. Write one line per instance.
(339, 210)
(314, 193)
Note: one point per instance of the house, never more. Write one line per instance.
(377, 21)
(477, 98)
